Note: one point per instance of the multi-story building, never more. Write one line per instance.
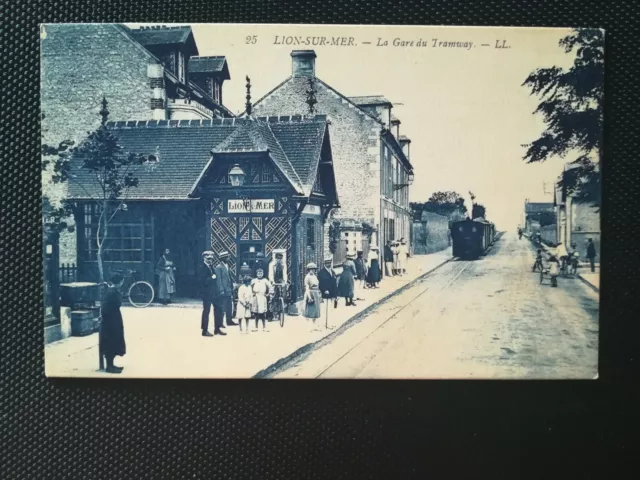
(149, 73)
(576, 222)
(373, 171)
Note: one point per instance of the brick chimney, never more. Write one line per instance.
(303, 63)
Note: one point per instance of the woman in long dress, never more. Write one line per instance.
(373, 271)
(346, 281)
(312, 298)
(111, 340)
(396, 258)
(260, 287)
(167, 284)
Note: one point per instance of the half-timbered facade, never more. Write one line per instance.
(189, 199)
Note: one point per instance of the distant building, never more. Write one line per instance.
(150, 73)
(372, 163)
(577, 222)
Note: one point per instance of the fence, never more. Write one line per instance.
(68, 273)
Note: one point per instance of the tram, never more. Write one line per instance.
(472, 238)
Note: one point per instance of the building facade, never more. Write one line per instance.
(577, 222)
(187, 199)
(372, 168)
(143, 73)
(536, 214)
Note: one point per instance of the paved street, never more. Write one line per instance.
(489, 318)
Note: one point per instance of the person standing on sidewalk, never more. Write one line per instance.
(312, 295)
(243, 309)
(260, 287)
(591, 255)
(396, 258)
(328, 283)
(388, 259)
(225, 291)
(373, 270)
(346, 281)
(403, 255)
(209, 293)
(361, 273)
(166, 276)
(112, 327)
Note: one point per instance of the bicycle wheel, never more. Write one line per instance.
(141, 294)
(281, 314)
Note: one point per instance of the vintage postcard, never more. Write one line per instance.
(316, 201)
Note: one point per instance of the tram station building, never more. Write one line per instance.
(189, 198)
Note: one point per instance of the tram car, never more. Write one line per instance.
(472, 238)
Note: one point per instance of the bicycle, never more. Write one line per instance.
(278, 303)
(139, 292)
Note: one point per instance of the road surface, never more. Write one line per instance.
(489, 318)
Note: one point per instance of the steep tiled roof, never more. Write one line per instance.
(207, 64)
(370, 100)
(161, 35)
(184, 148)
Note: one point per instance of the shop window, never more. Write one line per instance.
(311, 233)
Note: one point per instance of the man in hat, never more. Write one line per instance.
(278, 270)
(209, 293)
(225, 290)
(328, 283)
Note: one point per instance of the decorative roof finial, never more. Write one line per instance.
(311, 97)
(104, 112)
(248, 104)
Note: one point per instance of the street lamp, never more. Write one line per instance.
(237, 178)
(410, 178)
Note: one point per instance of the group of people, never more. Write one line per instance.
(396, 253)
(561, 258)
(254, 293)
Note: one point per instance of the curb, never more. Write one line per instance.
(274, 367)
(588, 284)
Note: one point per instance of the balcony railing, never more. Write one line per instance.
(188, 105)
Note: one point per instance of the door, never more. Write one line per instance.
(247, 253)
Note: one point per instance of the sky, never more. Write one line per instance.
(465, 109)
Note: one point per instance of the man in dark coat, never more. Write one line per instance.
(328, 283)
(225, 290)
(388, 260)
(591, 254)
(209, 293)
(112, 328)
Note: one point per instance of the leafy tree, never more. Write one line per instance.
(544, 218)
(105, 169)
(334, 236)
(571, 106)
(442, 203)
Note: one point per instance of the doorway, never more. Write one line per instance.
(247, 253)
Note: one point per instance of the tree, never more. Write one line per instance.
(442, 203)
(334, 236)
(544, 218)
(571, 107)
(106, 172)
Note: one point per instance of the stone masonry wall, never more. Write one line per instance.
(80, 64)
(355, 144)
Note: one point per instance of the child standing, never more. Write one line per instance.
(245, 296)
(260, 288)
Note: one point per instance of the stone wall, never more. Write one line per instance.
(80, 64)
(430, 235)
(355, 144)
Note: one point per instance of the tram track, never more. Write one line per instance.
(456, 270)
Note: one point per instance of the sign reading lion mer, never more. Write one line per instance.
(253, 206)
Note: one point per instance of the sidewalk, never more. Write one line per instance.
(165, 342)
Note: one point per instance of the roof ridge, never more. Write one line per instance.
(286, 157)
